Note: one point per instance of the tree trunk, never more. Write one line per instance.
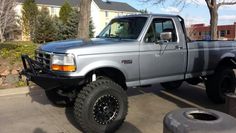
(213, 23)
(85, 9)
(1, 37)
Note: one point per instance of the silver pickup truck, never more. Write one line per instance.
(131, 51)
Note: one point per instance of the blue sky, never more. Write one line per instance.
(193, 12)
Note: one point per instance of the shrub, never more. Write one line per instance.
(65, 11)
(29, 16)
(69, 29)
(45, 29)
(13, 50)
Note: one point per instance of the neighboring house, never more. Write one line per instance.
(101, 11)
(202, 32)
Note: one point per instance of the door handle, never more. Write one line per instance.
(178, 47)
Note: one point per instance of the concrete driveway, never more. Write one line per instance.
(33, 113)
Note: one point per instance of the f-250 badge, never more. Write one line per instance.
(126, 61)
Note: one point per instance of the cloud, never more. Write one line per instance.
(203, 3)
(190, 20)
(196, 2)
(227, 18)
(170, 10)
(228, 8)
(223, 19)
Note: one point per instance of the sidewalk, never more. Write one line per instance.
(18, 91)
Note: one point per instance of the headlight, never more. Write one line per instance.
(63, 62)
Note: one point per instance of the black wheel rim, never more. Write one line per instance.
(106, 109)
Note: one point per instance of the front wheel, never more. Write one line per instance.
(219, 84)
(101, 107)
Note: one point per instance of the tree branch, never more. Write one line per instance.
(226, 3)
(208, 2)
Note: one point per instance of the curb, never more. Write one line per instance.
(18, 91)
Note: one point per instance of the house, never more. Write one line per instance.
(101, 11)
(202, 32)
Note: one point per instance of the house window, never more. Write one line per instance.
(228, 32)
(106, 13)
(222, 33)
(200, 33)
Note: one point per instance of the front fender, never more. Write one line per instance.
(227, 55)
(101, 64)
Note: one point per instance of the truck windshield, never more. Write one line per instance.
(124, 28)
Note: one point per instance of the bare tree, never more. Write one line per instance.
(213, 6)
(190, 31)
(85, 11)
(7, 17)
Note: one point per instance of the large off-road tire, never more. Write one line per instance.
(172, 85)
(193, 120)
(101, 107)
(219, 84)
(58, 100)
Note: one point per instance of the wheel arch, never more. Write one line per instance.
(228, 61)
(110, 72)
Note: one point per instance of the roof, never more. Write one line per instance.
(148, 15)
(53, 2)
(116, 6)
(109, 5)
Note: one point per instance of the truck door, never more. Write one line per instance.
(163, 60)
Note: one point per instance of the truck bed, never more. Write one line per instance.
(203, 56)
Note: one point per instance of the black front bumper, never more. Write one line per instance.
(45, 78)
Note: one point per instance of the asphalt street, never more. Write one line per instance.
(33, 113)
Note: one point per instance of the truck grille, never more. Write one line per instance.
(44, 58)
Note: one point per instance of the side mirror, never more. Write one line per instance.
(166, 36)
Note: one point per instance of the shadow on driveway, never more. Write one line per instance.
(39, 130)
(184, 97)
(125, 128)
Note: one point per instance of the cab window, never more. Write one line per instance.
(159, 26)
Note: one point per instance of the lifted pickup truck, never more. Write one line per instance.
(131, 51)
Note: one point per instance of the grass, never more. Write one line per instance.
(21, 84)
(12, 51)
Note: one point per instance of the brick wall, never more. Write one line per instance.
(202, 32)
